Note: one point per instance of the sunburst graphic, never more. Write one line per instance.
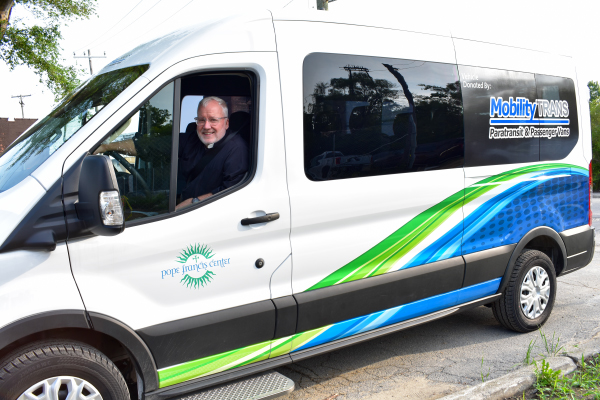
(188, 281)
(200, 249)
(193, 254)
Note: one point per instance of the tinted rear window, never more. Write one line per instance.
(366, 116)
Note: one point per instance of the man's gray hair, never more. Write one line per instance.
(204, 102)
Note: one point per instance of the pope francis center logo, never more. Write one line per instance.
(197, 266)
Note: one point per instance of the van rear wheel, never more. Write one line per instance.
(529, 296)
(59, 371)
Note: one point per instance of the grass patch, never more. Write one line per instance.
(584, 383)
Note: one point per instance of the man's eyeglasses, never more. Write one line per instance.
(211, 121)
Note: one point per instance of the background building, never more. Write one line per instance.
(10, 130)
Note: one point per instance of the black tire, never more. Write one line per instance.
(508, 310)
(40, 361)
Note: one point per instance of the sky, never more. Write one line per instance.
(556, 26)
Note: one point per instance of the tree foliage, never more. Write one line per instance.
(595, 121)
(594, 91)
(38, 46)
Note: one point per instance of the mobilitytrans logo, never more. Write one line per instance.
(522, 112)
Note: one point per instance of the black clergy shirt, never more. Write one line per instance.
(226, 169)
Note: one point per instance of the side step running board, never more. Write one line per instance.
(265, 386)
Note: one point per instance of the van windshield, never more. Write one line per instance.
(34, 147)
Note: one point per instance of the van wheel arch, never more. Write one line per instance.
(543, 239)
(110, 336)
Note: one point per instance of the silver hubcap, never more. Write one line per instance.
(62, 388)
(535, 292)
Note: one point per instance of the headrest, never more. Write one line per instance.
(238, 120)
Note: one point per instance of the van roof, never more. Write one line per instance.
(235, 33)
(253, 31)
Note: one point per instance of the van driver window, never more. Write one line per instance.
(212, 157)
(215, 135)
(213, 154)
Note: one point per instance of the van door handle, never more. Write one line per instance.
(261, 219)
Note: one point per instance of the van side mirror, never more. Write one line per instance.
(99, 207)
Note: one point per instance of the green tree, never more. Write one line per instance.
(594, 90)
(595, 120)
(37, 46)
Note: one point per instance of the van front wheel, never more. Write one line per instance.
(61, 370)
(528, 299)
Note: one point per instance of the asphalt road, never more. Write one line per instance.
(435, 359)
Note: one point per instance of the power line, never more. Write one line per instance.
(109, 29)
(127, 26)
(156, 26)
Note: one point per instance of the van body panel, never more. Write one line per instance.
(325, 236)
(487, 55)
(16, 202)
(330, 333)
(579, 243)
(25, 272)
(390, 22)
(136, 275)
(331, 304)
(585, 123)
(281, 280)
(486, 265)
(513, 203)
(247, 32)
(132, 342)
(211, 333)
(293, 48)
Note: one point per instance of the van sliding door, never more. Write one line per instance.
(375, 179)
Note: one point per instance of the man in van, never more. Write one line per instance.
(209, 161)
(217, 161)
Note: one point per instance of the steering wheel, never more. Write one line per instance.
(127, 165)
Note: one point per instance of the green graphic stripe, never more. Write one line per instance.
(235, 358)
(282, 348)
(213, 364)
(381, 257)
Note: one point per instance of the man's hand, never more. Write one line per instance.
(187, 202)
(126, 147)
(100, 149)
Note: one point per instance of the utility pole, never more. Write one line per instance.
(20, 96)
(324, 4)
(351, 68)
(89, 57)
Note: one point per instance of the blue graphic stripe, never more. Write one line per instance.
(559, 202)
(533, 121)
(404, 312)
(480, 224)
(447, 246)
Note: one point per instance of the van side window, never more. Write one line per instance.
(140, 150)
(557, 104)
(497, 106)
(367, 116)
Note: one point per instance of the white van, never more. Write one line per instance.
(388, 178)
